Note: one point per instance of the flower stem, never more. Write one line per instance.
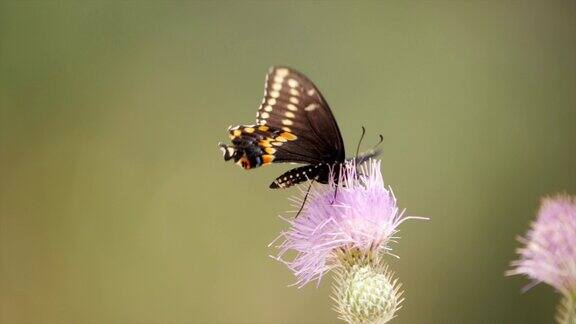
(567, 309)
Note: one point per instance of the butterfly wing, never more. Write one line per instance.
(294, 104)
(293, 124)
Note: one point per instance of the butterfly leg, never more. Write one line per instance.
(335, 194)
(305, 197)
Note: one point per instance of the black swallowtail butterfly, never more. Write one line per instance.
(293, 124)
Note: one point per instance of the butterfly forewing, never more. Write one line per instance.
(293, 124)
(294, 104)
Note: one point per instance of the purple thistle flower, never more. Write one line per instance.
(549, 252)
(359, 222)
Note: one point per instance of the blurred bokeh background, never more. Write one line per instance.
(116, 206)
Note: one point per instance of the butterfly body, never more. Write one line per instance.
(294, 124)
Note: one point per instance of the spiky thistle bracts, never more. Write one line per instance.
(366, 294)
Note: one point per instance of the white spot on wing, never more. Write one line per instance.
(292, 83)
(282, 72)
(294, 100)
(311, 107)
(292, 107)
(287, 122)
(289, 114)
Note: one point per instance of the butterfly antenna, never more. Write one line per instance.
(379, 142)
(360, 141)
(305, 197)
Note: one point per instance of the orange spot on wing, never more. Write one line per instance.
(243, 162)
(266, 159)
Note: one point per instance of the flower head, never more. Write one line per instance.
(549, 254)
(355, 213)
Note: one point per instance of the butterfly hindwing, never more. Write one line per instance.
(293, 124)
(253, 146)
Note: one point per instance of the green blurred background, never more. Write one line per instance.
(116, 206)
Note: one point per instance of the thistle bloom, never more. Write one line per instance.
(362, 215)
(549, 252)
(348, 226)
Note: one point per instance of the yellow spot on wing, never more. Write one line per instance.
(281, 139)
(270, 150)
(263, 128)
(264, 143)
(289, 136)
(237, 132)
(249, 130)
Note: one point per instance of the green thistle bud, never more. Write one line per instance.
(366, 294)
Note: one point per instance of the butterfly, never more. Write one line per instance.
(294, 124)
